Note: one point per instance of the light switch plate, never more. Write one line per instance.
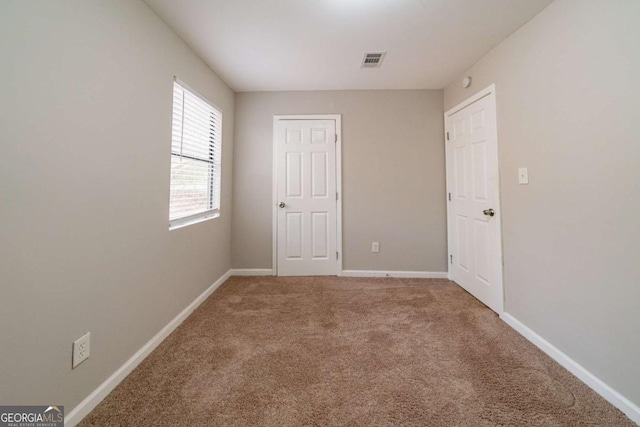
(523, 176)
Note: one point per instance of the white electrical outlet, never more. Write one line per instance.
(81, 349)
(375, 247)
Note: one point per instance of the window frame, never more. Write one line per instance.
(214, 174)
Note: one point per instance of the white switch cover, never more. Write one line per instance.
(375, 247)
(523, 176)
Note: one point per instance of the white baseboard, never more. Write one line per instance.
(398, 274)
(616, 399)
(251, 272)
(91, 401)
(350, 273)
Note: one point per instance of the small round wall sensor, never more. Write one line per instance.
(466, 82)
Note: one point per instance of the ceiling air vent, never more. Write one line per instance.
(373, 59)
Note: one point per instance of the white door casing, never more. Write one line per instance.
(473, 213)
(306, 170)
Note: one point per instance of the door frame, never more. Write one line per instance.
(489, 91)
(338, 120)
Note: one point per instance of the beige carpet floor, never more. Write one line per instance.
(349, 352)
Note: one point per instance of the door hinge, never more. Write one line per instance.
(447, 136)
(337, 255)
(336, 138)
(337, 195)
(450, 259)
(449, 196)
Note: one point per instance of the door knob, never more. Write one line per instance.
(282, 205)
(489, 212)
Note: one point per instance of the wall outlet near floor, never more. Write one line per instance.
(375, 247)
(81, 349)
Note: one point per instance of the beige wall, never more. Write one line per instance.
(85, 122)
(393, 176)
(568, 98)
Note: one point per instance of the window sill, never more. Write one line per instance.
(184, 222)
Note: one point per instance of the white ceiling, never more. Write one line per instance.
(271, 45)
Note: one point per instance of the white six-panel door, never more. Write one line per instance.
(306, 197)
(474, 208)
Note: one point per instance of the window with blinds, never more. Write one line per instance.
(196, 145)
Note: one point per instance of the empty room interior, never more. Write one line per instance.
(336, 212)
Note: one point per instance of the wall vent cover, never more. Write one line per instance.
(373, 59)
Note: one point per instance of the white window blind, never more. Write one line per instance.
(196, 148)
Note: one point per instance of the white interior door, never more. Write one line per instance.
(473, 209)
(306, 197)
